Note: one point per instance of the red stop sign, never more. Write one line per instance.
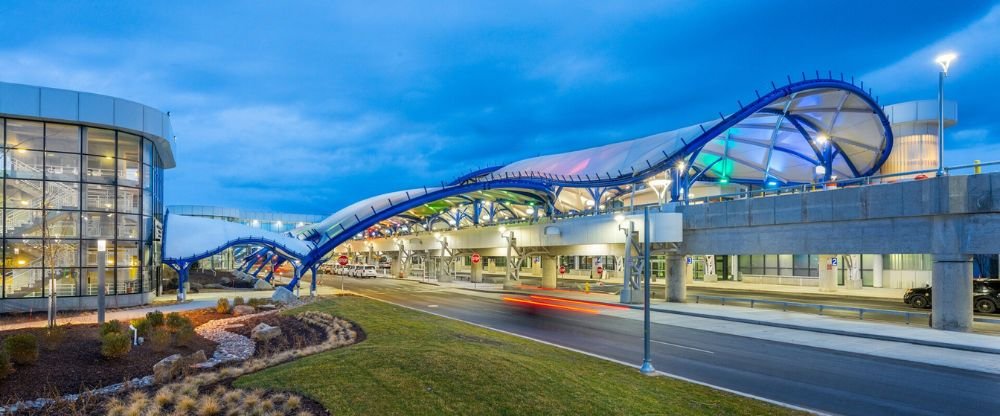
(342, 260)
(600, 269)
(562, 269)
(476, 258)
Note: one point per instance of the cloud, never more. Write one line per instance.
(978, 46)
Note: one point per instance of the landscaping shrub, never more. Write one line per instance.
(142, 326)
(184, 336)
(22, 348)
(155, 318)
(115, 345)
(53, 337)
(159, 338)
(176, 321)
(256, 302)
(112, 326)
(222, 306)
(239, 301)
(5, 365)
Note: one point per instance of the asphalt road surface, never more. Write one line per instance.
(822, 380)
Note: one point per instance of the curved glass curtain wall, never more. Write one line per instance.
(66, 186)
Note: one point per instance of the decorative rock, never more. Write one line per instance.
(214, 286)
(283, 295)
(197, 357)
(226, 281)
(165, 370)
(268, 307)
(264, 332)
(262, 284)
(240, 310)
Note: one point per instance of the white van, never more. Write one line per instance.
(367, 271)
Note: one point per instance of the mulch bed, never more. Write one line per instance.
(294, 333)
(76, 364)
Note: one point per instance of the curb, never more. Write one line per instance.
(959, 347)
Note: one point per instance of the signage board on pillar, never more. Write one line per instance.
(476, 258)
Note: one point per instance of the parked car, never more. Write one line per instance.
(368, 272)
(352, 270)
(985, 292)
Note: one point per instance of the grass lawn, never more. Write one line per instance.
(417, 363)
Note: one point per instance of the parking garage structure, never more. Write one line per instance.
(80, 168)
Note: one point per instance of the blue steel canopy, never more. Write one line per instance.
(783, 137)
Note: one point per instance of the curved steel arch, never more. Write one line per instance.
(363, 224)
(277, 247)
(757, 106)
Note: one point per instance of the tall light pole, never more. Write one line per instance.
(102, 247)
(647, 360)
(945, 61)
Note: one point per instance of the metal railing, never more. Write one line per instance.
(819, 307)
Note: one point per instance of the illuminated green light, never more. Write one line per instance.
(723, 180)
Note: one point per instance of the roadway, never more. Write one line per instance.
(824, 380)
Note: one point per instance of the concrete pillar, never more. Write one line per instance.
(877, 267)
(396, 266)
(550, 271)
(711, 275)
(827, 273)
(734, 267)
(676, 269)
(853, 278)
(951, 300)
(476, 273)
(443, 272)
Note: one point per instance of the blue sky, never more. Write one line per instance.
(309, 106)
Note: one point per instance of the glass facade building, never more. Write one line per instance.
(67, 183)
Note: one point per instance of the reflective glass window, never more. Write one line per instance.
(128, 200)
(89, 252)
(22, 253)
(99, 142)
(22, 163)
(62, 166)
(20, 193)
(23, 283)
(62, 224)
(62, 138)
(23, 134)
(100, 169)
(147, 151)
(128, 227)
(62, 195)
(98, 225)
(62, 253)
(128, 146)
(67, 280)
(23, 223)
(99, 197)
(128, 173)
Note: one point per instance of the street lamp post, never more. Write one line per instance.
(945, 61)
(659, 186)
(647, 360)
(102, 246)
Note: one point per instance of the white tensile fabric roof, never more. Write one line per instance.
(761, 147)
(189, 237)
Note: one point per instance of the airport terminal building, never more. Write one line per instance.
(80, 168)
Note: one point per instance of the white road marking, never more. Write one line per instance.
(681, 346)
(432, 306)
